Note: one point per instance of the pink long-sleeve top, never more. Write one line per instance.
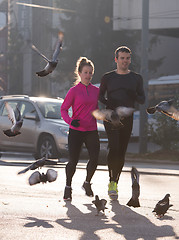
(83, 100)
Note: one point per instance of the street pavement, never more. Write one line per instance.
(39, 212)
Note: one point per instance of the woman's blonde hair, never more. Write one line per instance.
(81, 62)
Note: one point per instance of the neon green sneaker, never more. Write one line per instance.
(112, 190)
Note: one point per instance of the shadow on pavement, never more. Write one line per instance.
(87, 223)
(135, 226)
(35, 222)
(127, 223)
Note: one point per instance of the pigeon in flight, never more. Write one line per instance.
(134, 201)
(166, 108)
(38, 164)
(51, 64)
(37, 177)
(16, 119)
(162, 206)
(100, 204)
(113, 116)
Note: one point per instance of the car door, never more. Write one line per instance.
(6, 143)
(29, 134)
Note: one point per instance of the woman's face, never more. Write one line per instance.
(86, 75)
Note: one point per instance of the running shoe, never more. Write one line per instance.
(67, 194)
(87, 187)
(112, 190)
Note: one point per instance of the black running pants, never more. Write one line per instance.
(118, 140)
(75, 142)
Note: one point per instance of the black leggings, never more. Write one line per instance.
(117, 143)
(75, 142)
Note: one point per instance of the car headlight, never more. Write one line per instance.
(64, 130)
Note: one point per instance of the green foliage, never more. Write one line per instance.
(164, 131)
(88, 34)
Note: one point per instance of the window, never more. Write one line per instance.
(50, 109)
(13, 105)
(26, 107)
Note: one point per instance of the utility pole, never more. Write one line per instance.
(144, 73)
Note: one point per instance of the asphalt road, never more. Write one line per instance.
(39, 212)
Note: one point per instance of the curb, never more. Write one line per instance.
(153, 161)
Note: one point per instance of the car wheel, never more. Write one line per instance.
(47, 148)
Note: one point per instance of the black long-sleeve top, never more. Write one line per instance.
(121, 89)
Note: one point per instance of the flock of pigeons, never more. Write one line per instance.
(160, 208)
(37, 177)
(106, 115)
(113, 116)
(51, 175)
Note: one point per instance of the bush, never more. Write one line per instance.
(164, 131)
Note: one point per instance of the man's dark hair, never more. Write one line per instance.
(122, 49)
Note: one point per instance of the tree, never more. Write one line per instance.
(87, 33)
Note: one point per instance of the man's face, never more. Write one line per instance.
(123, 61)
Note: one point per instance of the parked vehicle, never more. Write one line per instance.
(136, 123)
(43, 133)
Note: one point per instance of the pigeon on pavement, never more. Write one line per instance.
(16, 119)
(162, 206)
(113, 116)
(51, 64)
(38, 177)
(134, 201)
(38, 164)
(100, 204)
(166, 108)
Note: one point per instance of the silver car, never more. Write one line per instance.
(43, 133)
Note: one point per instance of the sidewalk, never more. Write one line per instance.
(156, 168)
(148, 166)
